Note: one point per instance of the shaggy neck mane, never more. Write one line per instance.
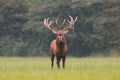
(60, 44)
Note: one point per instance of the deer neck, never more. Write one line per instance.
(60, 44)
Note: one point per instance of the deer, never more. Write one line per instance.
(58, 46)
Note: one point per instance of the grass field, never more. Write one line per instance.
(38, 68)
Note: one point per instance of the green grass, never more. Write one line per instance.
(38, 68)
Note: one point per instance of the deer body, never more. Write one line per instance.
(58, 47)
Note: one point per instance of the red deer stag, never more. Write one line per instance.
(58, 47)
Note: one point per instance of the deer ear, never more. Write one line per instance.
(66, 31)
(54, 31)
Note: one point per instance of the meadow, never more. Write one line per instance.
(38, 68)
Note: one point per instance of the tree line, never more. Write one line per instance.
(22, 33)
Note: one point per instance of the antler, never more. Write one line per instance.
(56, 23)
(71, 23)
(63, 24)
(48, 24)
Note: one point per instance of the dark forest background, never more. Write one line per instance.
(96, 32)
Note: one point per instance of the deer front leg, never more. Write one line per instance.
(58, 61)
(52, 60)
(63, 61)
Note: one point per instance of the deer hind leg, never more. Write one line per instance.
(52, 60)
(58, 61)
(63, 61)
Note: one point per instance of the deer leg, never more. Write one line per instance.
(58, 61)
(63, 61)
(52, 60)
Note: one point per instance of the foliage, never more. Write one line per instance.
(22, 32)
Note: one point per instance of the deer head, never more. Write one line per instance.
(59, 32)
